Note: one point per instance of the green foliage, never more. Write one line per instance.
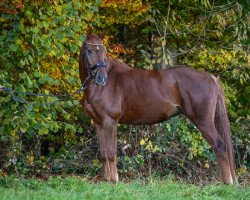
(171, 147)
(39, 54)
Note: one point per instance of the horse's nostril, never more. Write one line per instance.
(100, 79)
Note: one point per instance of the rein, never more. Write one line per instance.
(93, 69)
(62, 97)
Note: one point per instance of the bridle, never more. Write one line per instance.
(92, 69)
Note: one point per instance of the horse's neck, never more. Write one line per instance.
(117, 65)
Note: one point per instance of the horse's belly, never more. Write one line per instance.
(149, 116)
(144, 121)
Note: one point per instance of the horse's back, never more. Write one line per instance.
(146, 96)
(158, 94)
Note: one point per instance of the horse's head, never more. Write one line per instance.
(95, 59)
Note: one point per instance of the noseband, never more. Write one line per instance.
(92, 69)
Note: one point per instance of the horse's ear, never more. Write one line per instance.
(101, 35)
(89, 31)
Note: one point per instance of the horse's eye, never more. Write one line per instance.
(90, 51)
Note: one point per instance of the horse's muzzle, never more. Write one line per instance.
(101, 77)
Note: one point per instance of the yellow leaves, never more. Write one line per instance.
(163, 43)
(22, 43)
(155, 149)
(115, 50)
(14, 133)
(52, 53)
(43, 158)
(30, 159)
(59, 78)
(242, 170)
(194, 151)
(233, 53)
(64, 40)
(53, 70)
(19, 41)
(58, 10)
(49, 117)
(3, 173)
(2, 19)
(36, 109)
(55, 2)
(123, 11)
(43, 131)
(118, 48)
(196, 136)
(149, 146)
(142, 142)
(96, 163)
(65, 57)
(33, 21)
(220, 59)
(130, 5)
(206, 165)
(69, 136)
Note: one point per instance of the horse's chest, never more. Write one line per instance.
(94, 105)
(99, 108)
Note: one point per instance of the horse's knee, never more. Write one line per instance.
(108, 154)
(109, 125)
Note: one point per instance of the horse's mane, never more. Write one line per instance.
(117, 63)
(123, 65)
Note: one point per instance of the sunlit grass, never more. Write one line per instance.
(74, 188)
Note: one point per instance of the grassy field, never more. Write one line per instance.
(74, 188)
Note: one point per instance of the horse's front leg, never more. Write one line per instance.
(107, 136)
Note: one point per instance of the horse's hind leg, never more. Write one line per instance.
(107, 136)
(209, 132)
(200, 109)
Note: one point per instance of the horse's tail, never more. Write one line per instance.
(222, 125)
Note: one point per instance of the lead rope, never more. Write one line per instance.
(62, 97)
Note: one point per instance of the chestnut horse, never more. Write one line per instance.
(117, 93)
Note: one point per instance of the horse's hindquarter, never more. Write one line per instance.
(198, 92)
(147, 97)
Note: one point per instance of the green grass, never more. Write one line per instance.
(74, 188)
